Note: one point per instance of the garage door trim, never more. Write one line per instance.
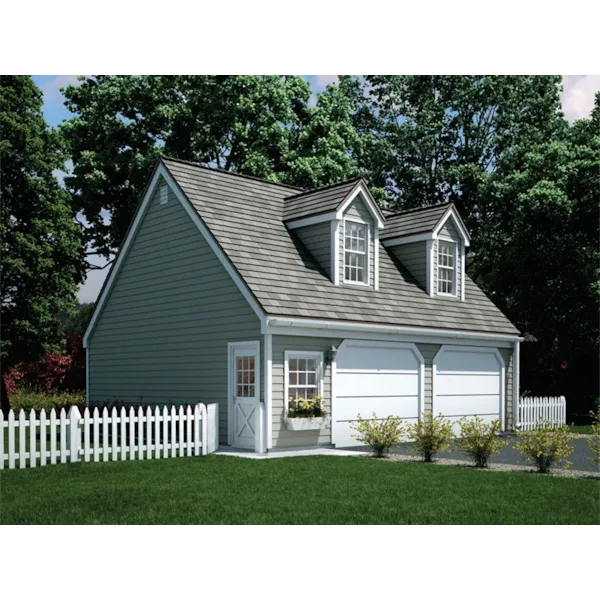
(476, 349)
(369, 344)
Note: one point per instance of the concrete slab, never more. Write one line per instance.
(287, 453)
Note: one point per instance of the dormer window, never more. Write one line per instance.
(355, 252)
(446, 265)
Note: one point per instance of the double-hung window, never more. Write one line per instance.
(446, 268)
(303, 374)
(355, 252)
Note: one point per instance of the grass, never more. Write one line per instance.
(299, 490)
(583, 429)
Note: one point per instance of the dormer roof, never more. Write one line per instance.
(330, 202)
(422, 223)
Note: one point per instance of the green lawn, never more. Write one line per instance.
(316, 489)
(584, 429)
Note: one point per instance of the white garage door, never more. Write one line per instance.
(380, 377)
(468, 381)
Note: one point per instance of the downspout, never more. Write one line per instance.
(516, 383)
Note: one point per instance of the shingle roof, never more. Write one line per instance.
(245, 216)
(411, 222)
(319, 201)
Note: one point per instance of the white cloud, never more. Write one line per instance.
(578, 96)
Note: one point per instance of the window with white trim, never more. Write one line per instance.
(355, 252)
(303, 374)
(446, 268)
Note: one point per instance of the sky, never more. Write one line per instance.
(577, 102)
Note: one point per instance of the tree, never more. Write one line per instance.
(40, 240)
(257, 125)
(430, 139)
(539, 260)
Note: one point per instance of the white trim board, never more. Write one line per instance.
(324, 328)
(372, 208)
(162, 171)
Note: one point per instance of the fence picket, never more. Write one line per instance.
(156, 434)
(173, 433)
(86, 435)
(181, 426)
(53, 436)
(11, 440)
(149, 441)
(123, 440)
(22, 439)
(43, 434)
(188, 424)
(105, 434)
(165, 442)
(63, 436)
(132, 444)
(114, 432)
(32, 438)
(141, 437)
(96, 441)
(197, 430)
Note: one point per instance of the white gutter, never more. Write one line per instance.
(375, 328)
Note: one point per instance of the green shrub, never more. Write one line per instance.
(594, 439)
(380, 434)
(479, 439)
(430, 436)
(26, 399)
(547, 447)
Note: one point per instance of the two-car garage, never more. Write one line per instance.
(388, 378)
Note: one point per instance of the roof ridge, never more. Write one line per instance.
(325, 187)
(420, 208)
(224, 171)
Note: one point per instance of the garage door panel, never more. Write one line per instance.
(373, 377)
(467, 405)
(467, 384)
(348, 408)
(376, 358)
(468, 362)
(343, 434)
(377, 384)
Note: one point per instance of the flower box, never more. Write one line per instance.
(306, 423)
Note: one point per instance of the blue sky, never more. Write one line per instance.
(577, 101)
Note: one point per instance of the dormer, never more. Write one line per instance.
(340, 225)
(431, 243)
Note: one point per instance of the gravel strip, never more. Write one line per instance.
(500, 467)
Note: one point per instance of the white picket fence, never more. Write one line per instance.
(102, 436)
(537, 410)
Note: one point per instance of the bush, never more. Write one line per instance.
(480, 440)
(594, 439)
(547, 447)
(430, 436)
(26, 399)
(302, 407)
(380, 434)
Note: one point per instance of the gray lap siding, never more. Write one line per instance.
(163, 334)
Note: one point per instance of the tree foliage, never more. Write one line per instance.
(41, 242)
(39, 239)
(257, 125)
